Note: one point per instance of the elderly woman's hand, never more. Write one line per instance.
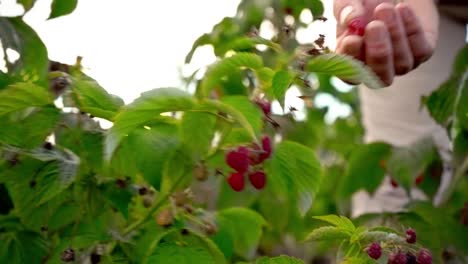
(391, 38)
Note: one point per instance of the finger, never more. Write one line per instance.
(402, 56)
(345, 11)
(352, 46)
(421, 46)
(378, 51)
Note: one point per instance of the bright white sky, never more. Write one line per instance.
(133, 46)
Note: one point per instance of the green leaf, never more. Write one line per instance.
(143, 110)
(461, 61)
(279, 260)
(225, 67)
(294, 170)
(145, 151)
(90, 97)
(441, 103)
(20, 96)
(328, 233)
(238, 116)
(173, 253)
(27, 4)
(346, 68)
(246, 43)
(197, 132)
(242, 226)
(405, 163)
(251, 112)
(29, 128)
(177, 172)
(145, 242)
(62, 8)
(22, 247)
(364, 170)
(32, 66)
(338, 221)
(280, 84)
(316, 7)
(52, 171)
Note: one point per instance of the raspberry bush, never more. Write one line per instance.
(230, 173)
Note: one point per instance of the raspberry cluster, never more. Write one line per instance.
(246, 161)
(374, 251)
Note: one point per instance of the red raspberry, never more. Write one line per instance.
(236, 181)
(419, 179)
(264, 105)
(374, 250)
(238, 159)
(410, 236)
(398, 258)
(424, 257)
(357, 27)
(266, 145)
(258, 179)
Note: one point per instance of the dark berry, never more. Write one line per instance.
(410, 258)
(184, 232)
(47, 145)
(419, 179)
(264, 105)
(357, 26)
(374, 250)
(397, 258)
(394, 183)
(95, 258)
(258, 179)
(68, 255)
(410, 236)
(44, 228)
(266, 146)
(424, 257)
(121, 183)
(236, 181)
(238, 159)
(142, 190)
(288, 10)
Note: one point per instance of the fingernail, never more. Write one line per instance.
(345, 13)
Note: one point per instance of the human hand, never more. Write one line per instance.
(394, 42)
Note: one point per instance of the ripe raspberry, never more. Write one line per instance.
(419, 179)
(238, 159)
(410, 258)
(357, 26)
(410, 236)
(266, 145)
(264, 105)
(424, 257)
(394, 183)
(236, 181)
(397, 258)
(258, 179)
(374, 250)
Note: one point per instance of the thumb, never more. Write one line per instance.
(347, 10)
